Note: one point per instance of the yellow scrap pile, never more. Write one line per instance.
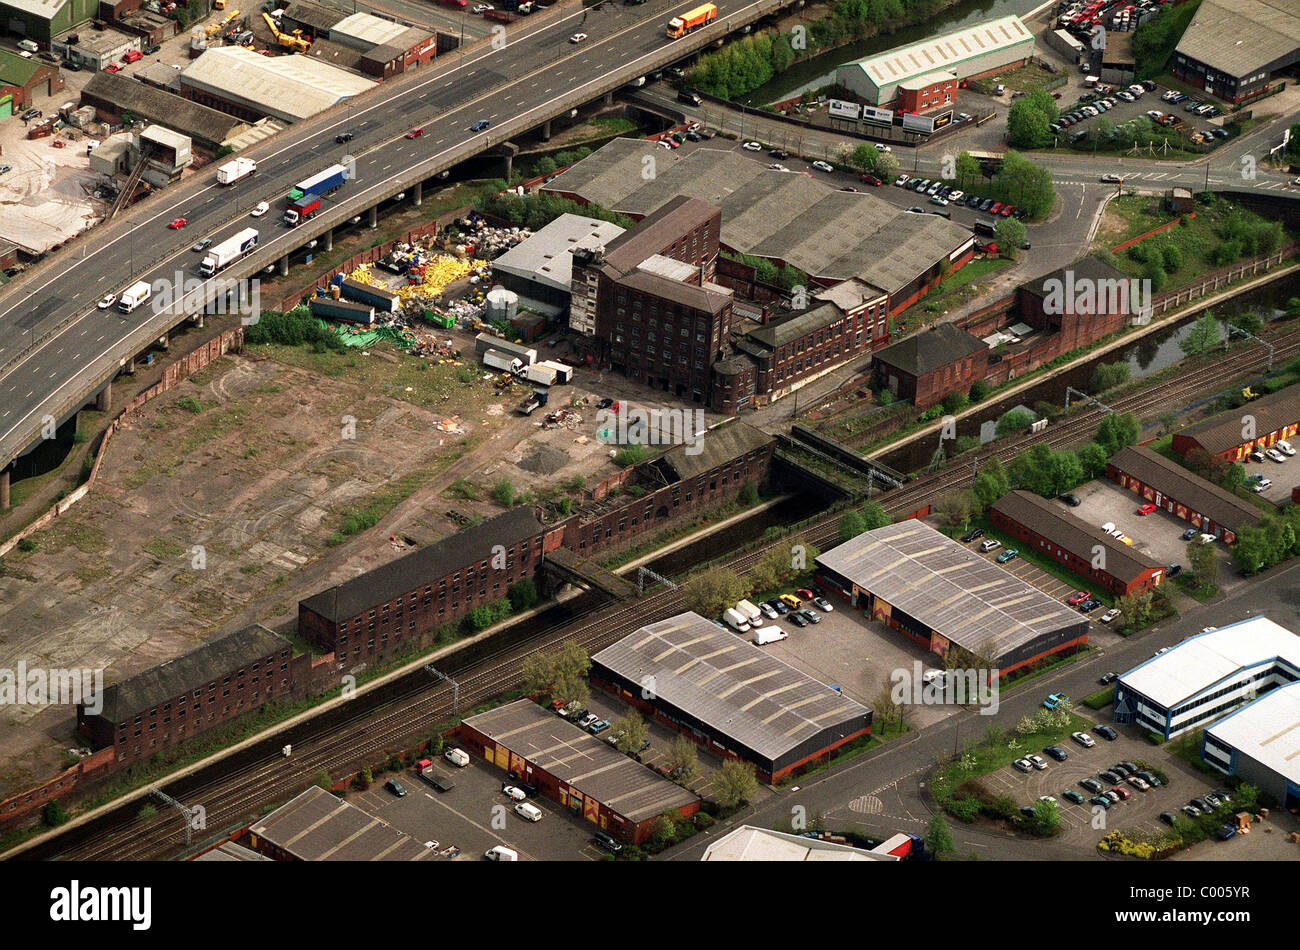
(438, 273)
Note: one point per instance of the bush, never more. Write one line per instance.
(27, 545)
(189, 404)
(631, 455)
(748, 493)
(964, 809)
(54, 814)
(979, 390)
(523, 594)
(503, 492)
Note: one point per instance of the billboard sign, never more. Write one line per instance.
(839, 109)
(877, 116)
(918, 123)
(942, 119)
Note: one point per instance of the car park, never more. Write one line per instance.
(1008, 555)
(1083, 739)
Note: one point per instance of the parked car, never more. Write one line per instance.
(1008, 555)
(1070, 795)
(514, 792)
(1023, 765)
(1078, 597)
(1139, 783)
(1089, 605)
(1167, 817)
(597, 727)
(822, 166)
(1225, 832)
(1083, 739)
(1037, 761)
(587, 720)
(1107, 617)
(972, 534)
(779, 153)
(1091, 784)
(1191, 811)
(1056, 752)
(780, 606)
(1275, 456)
(1189, 534)
(1109, 777)
(1146, 509)
(791, 601)
(810, 615)
(824, 605)
(1121, 770)
(1054, 700)
(797, 618)
(1101, 801)
(871, 180)
(607, 842)
(1284, 447)
(395, 787)
(1150, 778)
(768, 611)
(1114, 794)
(1070, 499)
(1107, 678)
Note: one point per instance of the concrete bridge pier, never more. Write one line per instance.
(419, 194)
(374, 217)
(328, 238)
(546, 131)
(4, 490)
(284, 266)
(128, 367)
(104, 401)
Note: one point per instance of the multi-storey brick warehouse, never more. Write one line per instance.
(162, 706)
(928, 365)
(374, 612)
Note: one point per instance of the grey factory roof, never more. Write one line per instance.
(123, 94)
(710, 298)
(365, 30)
(930, 349)
(1184, 487)
(1074, 274)
(45, 9)
(336, 54)
(659, 229)
(316, 826)
(1075, 535)
(317, 16)
(1267, 730)
(851, 294)
(789, 328)
(286, 87)
(1270, 413)
(727, 442)
(1238, 37)
(837, 234)
(1206, 659)
(176, 677)
(729, 684)
(972, 601)
(581, 760)
(229, 851)
(947, 51)
(424, 566)
(750, 843)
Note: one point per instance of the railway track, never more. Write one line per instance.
(238, 796)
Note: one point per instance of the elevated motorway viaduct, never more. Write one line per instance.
(58, 352)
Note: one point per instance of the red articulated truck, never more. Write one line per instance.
(679, 26)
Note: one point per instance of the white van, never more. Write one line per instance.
(770, 635)
(1091, 81)
(457, 757)
(501, 853)
(735, 620)
(528, 810)
(28, 46)
(750, 613)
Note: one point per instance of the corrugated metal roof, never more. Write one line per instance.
(950, 588)
(581, 760)
(287, 87)
(1205, 659)
(1075, 535)
(547, 256)
(950, 49)
(1267, 414)
(1184, 487)
(1267, 730)
(729, 684)
(748, 843)
(316, 826)
(1238, 37)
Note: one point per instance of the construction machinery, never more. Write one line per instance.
(294, 42)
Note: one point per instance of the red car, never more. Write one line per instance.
(871, 180)
(803, 593)
(1146, 509)
(1007, 210)
(1078, 597)
(997, 208)
(414, 133)
(132, 56)
(1122, 792)
(112, 68)
(175, 223)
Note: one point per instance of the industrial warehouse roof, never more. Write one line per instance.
(422, 567)
(718, 446)
(45, 9)
(1075, 535)
(229, 851)
(367, 29)
(316, 826)
(1086, 272)
(952, 50)
(1184, 487)
(286, 87)
(1269, 414)
(1203, 660)
(837, 235)
(580, 760)
(18, 70)
(924, 352)
(176, 677)
(1238, 37)
(314, 15)
(123, 94)
(748, 843)
(851, 294)
(786, 329)
(729, 684)
(336, 54)
(1267, 730)
(954, 591)
(547, 256)
(658, 230)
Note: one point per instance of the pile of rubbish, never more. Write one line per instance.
(475, 237)
(562, 418)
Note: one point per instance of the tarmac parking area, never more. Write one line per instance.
(1282, 475)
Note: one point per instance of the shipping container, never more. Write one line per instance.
(344, 310)
(322, 183)
(382, 300)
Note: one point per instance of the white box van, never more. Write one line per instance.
(133, 296)
(458, 757)
(528, 810)
(1091, 80)
(750, 613)
(29, 46)
(735, 620)
(501, 853)
(770, 635)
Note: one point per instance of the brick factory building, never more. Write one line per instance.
(373, 613)
(926, 366)
(939, 593)
(213, 684)
(318, 826)
(909, 74)
(1085, 549)
(569, 765)
(1183, 494)
(729, 696)
(1269, 419)
(1082, 302)
(674, 483)
(1232, 49)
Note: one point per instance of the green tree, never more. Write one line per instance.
(1135, 609)
(1108, 376)
(991, 483)
(1250, 323)
(979, 390)
(1032, 470)
(1027, 184)
(559, 673)
(634, 731)
(663, 831)
(1117, 430)
(748, 493)
(968, 168)
(323, 781)
(681, 761)
(954, 402)
(504, 493)
(876, 516)
(954, 509)
(938, 837)
(1013, 422)
(546, 165)
(1203, 563)
(523, 594)
(1027, 126)
(1203, 335)
(734, 783)
(1010, 235)
(852, 524)
(54, 814)
(712, 591)
(1093, 459)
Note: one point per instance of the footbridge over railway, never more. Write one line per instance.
(567, 566)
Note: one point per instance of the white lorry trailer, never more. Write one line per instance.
(234, 170)
(230, 250)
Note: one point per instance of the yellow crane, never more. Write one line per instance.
(298, 43)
